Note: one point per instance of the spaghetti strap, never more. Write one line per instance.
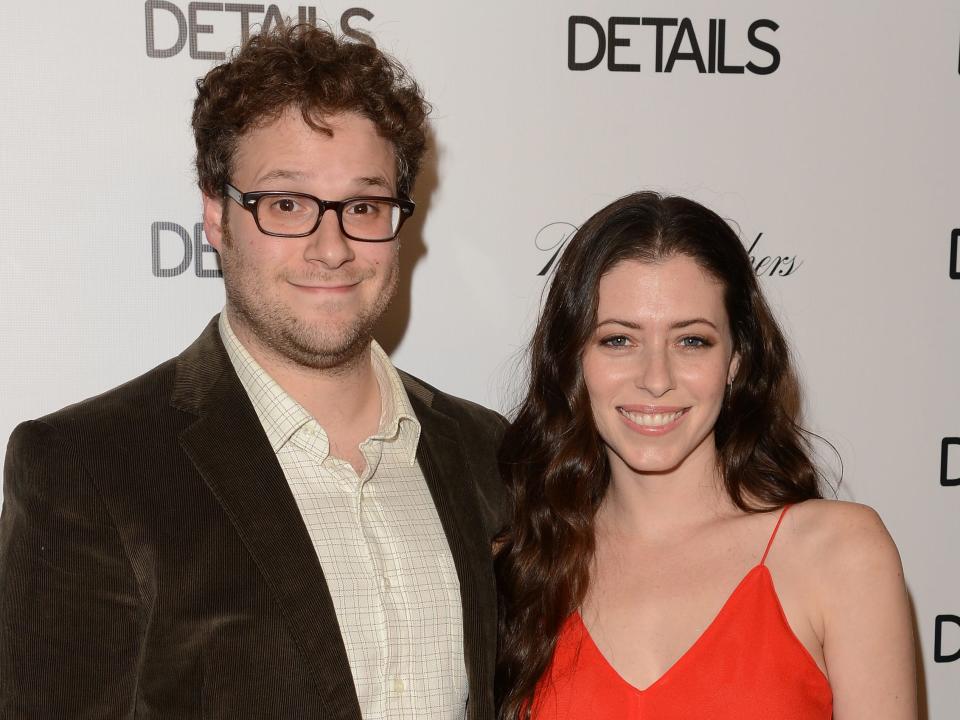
(774, 534)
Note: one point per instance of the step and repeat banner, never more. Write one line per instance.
(828, 133)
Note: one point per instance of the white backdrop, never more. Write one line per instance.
(840, 155)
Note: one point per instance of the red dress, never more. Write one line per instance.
(747, 665)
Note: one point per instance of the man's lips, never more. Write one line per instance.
(337, 285)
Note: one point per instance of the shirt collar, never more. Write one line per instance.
(397, 419)
(281, 416)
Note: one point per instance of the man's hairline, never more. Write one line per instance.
(268, 118)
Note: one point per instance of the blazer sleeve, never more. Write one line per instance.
(69, 636)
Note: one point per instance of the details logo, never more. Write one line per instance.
(552, 238)
(169, 28)
(940, 655)
(945, 476)
(626, 40)
(173, 251)
(955, 254)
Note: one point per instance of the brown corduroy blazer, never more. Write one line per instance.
(154, 564)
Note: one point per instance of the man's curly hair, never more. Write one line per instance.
(308, 68)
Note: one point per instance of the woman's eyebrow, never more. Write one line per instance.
(637, 326)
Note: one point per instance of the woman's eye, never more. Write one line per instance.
(615, 341)
(692, 341)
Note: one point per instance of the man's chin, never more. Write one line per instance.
(325, 353)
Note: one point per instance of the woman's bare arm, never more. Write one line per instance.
(868, 640)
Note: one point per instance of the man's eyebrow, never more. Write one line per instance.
(637, 326)
(375, 181)
(281, 174)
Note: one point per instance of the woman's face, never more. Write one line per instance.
(657, 364)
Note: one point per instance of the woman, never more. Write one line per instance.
(669, 554)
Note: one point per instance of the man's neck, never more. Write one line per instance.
(344, 399)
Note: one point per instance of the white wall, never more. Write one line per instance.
(843, 158)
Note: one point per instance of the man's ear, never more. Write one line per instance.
(213, 219)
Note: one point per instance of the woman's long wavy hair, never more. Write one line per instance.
(553, 460)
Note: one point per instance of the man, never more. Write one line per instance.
(276, 523)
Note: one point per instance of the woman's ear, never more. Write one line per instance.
(734, 367)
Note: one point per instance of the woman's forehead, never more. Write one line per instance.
(676, 286)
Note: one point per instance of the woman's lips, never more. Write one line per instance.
(652, 419)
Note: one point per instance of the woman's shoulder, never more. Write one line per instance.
(837, 523)
(843, 543)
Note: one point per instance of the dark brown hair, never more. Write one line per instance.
(553, 459)
(308, 68)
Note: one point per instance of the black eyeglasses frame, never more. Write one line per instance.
(249, 201)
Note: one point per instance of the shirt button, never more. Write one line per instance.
(386, 583)
(397, 685)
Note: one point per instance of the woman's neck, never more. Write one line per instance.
(648, 506)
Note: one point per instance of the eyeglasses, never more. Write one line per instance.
(292, 214)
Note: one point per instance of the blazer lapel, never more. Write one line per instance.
(450, 481)
(231, 452)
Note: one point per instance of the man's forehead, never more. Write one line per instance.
(327, 124)
(290, 148)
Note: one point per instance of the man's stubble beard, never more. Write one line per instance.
(277, 329)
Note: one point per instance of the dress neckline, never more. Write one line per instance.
(707, 631)
(759, 570)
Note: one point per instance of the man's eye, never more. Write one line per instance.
(363, 208)
(285, 205)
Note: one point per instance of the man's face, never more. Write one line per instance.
(312, 300)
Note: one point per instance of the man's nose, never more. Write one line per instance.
(328, 244)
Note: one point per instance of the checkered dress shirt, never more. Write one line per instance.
(379, 539)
